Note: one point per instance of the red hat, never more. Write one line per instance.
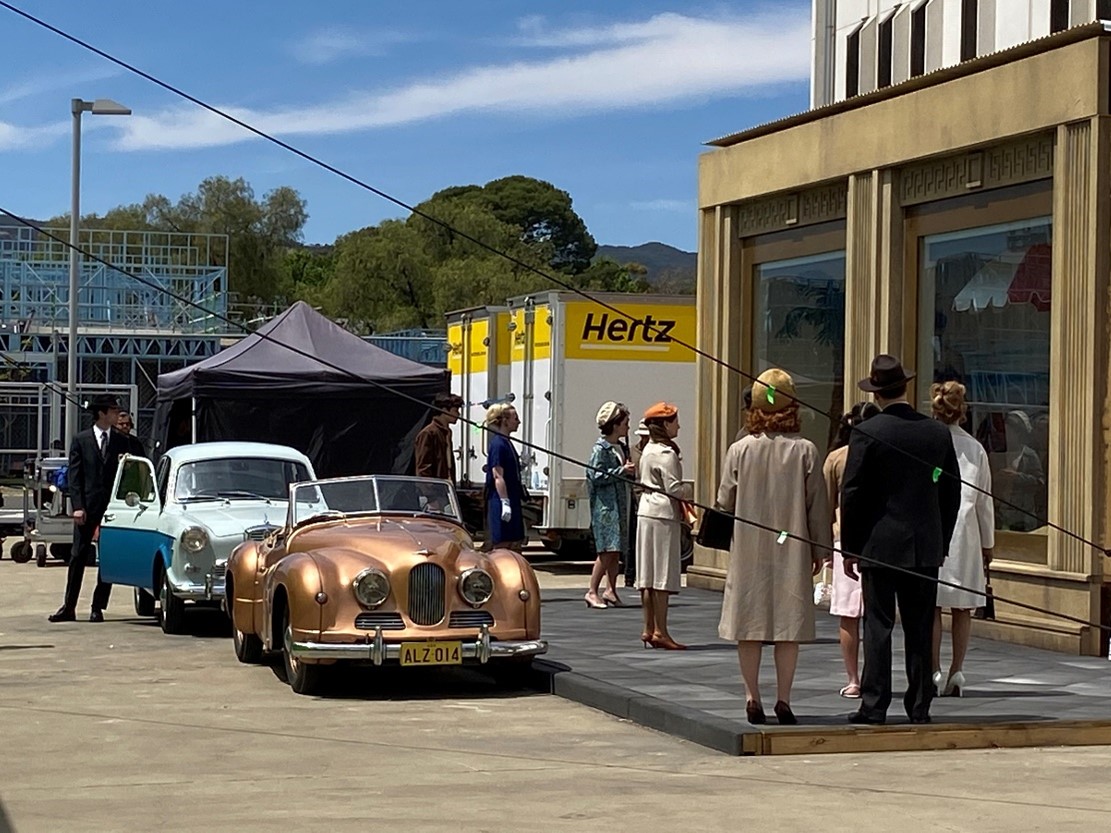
(661, 410)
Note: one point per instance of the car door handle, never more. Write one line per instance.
(109, 518)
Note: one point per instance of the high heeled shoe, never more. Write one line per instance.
(646, 638)
(667, 643)
(938, 688)
(755, 713)
(612, 600)
(784, 714)
(955, 686)
(595, 604)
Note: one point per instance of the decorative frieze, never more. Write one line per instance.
(803, 208)
(1012, 163)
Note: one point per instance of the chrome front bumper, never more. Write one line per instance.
(377, 650)
(212, 589)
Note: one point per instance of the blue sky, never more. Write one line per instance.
(609, 101)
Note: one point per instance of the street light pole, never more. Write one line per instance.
(77, 106)
(100, 107)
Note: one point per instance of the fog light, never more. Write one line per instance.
(524, 595)
(321, 598)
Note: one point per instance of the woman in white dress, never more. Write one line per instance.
(659, 517)
(973, 538)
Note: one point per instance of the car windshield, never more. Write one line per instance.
(238, 478)
(373, 494)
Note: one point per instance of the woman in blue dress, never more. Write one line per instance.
(609, 475)
(505, 526)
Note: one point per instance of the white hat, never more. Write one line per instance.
(642, 429)
(607, 412)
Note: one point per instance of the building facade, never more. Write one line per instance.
(962, 221)
(863, 45)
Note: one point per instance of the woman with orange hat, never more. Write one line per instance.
(659, 523)
(773, 477)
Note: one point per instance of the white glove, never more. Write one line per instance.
(506, 511)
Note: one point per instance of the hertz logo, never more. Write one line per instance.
(648, 330)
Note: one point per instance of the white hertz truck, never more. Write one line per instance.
(568, 355)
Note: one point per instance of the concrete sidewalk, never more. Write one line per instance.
(596, 658)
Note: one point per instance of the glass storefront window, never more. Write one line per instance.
(984, 307)
(799, 326)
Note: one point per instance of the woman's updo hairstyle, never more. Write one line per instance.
(947, 402)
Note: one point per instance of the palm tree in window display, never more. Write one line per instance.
(824, 315)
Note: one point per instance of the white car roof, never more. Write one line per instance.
(209, 451)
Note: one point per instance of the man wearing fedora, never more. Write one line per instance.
(94, 457)
(899, 500)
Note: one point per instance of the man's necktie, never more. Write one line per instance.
(104, 445)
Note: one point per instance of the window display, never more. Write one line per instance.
(984, 307)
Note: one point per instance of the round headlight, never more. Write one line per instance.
(476, 587)
(372, 587)
(194, 539)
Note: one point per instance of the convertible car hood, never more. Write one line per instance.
(225, 519)
(387, 538)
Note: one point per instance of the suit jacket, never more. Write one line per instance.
(90, 478)
(892, 510)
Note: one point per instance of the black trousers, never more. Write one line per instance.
(916, 596)
(79, 557)
(629, 568)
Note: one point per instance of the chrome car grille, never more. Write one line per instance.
(387, 621)
(426, 594)
(470, 619)
(258, 533)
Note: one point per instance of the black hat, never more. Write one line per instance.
(102, 402)
(887, 374)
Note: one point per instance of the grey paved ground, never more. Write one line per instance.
(1005, 682)
(116, 727)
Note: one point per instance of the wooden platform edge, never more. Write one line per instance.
(935, 736)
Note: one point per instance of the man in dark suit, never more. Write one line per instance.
(900, 495)
(94, 457)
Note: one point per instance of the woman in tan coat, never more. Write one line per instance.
(773, 477)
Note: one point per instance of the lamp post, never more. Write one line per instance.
(100, 107)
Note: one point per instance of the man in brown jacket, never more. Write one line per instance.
(433, 453)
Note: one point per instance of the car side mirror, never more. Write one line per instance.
(131, 499)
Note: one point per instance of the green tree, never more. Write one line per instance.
(259, 231)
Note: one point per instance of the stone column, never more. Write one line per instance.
(1078, 352)
(873, 275)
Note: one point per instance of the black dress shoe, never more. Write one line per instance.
(62, 615)
(96, 616)
(921, 718)
(862, 719)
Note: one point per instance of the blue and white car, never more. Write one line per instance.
(168, 531)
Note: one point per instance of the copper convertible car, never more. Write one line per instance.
(379, 569)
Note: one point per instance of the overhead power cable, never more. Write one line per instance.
(782, 535)
(515, 260)
(648, 327)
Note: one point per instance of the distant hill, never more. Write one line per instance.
(669, 269)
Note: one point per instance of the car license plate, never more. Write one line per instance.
(431, 653)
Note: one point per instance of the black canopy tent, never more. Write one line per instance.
(259, 390)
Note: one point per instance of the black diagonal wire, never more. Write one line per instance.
(513, 259)
(784, 534)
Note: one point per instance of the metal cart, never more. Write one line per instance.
(47, 523)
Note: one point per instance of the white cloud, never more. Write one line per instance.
(662, 205)
(667, 60)
(335, 43)
(72, 82)
(15, 138)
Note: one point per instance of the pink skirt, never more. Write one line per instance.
(846, 598)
